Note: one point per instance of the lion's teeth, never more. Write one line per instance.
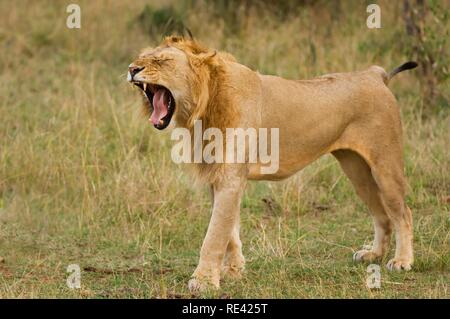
(145, 86)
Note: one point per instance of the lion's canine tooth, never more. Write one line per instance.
(145, 86)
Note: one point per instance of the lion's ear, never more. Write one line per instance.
(208, 55)
(204, 58)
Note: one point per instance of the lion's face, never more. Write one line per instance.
(162, 75)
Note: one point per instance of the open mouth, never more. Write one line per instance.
(162, 103)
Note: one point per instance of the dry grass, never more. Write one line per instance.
(84, 179)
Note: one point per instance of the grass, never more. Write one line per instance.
(84, 180)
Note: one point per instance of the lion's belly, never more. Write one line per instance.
(287, 166)
(298, 147)
(254, 172)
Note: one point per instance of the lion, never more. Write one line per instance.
(353, 116)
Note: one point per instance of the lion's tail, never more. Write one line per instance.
(405, 66)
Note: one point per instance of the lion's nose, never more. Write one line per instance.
(134, 70)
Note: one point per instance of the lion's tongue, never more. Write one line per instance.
(160, 105)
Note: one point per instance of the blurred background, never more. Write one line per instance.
(84, 179)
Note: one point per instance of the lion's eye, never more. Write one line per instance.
(161, 60)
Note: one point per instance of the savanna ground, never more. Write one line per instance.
(85, 180)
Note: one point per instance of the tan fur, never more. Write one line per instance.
(353, 116)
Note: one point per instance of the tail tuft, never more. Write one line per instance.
(405, 66)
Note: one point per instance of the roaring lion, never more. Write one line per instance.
(353, 116)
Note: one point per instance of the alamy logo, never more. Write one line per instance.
(74, 18)
(374, 19)
(74, 279)
(241, 145)
(373, 281)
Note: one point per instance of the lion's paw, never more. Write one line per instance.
(398, 264)
(233, 271)
(365, 255)
(201, 284)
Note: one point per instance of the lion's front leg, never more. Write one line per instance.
(225, 216)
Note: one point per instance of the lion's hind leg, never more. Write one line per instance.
(389, 176)
(359, 173)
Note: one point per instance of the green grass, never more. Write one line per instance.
(84, 179)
